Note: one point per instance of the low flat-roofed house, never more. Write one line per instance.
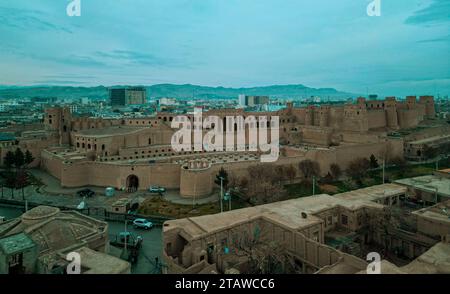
(417, 150)
(121, 206)
(306, 229)
(434, 221)
(431, 189)
(18, 254)
(94, 262)
(443, 173)
(436, 260)
(7, 139)
(300, 224)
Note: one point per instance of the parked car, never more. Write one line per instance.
(86, 193)
(142, 223)
(157, 189)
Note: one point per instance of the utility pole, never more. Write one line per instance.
(221, 194)
(126, 236)
(195, 191)
(314, 185)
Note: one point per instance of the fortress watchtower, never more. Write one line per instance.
(390, 106)
(355, 118)
(428, 101)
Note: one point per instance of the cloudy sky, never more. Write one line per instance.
(238, 43)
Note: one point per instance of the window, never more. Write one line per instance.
(329, 220)
(315, 236)
(344, 219)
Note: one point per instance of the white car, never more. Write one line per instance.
(157, 189)
(142, 223)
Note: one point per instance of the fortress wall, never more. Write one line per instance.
(165, 175)
(336, 116)
(377, 118)
(427, 133)
(408, 118)
(346, 153)
(196, 183)
(51, 164)
(299, 114)
(421, 111)
(352, 137)
(82, 174)
(316, 135)
(115, 175)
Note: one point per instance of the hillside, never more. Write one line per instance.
(177, 91)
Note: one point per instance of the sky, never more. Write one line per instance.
(230, 43)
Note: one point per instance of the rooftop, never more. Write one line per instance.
(109, 131)
(7, 137)
(430, 139)
(439, 212)
(94, 262)
(429, 183)
(287, 213)
(16, 243)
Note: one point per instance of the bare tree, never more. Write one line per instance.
(264, 185)
(335, 171)
(358, 168)
(290, 172)
(309, 169)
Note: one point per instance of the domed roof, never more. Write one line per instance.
(40, 212)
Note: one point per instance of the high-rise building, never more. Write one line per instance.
(252, 100)
(127, 96)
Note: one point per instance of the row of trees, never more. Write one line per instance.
(15, 173)
(265, 183)
(17, 159)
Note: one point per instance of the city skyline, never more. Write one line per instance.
(221, 43)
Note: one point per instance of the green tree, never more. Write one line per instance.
(19, 158)
(373, 162)
(9, 159)
(28, 157)
(222, 178)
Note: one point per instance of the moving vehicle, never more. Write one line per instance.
(85, 193)
(142, 223)
(157, 189)
(130, 243)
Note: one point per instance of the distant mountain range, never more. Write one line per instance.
(176, 91)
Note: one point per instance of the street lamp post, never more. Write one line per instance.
(314, 185)
(221, 194)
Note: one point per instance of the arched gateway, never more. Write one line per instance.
(132, 183)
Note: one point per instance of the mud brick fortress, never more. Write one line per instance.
(135, 153)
